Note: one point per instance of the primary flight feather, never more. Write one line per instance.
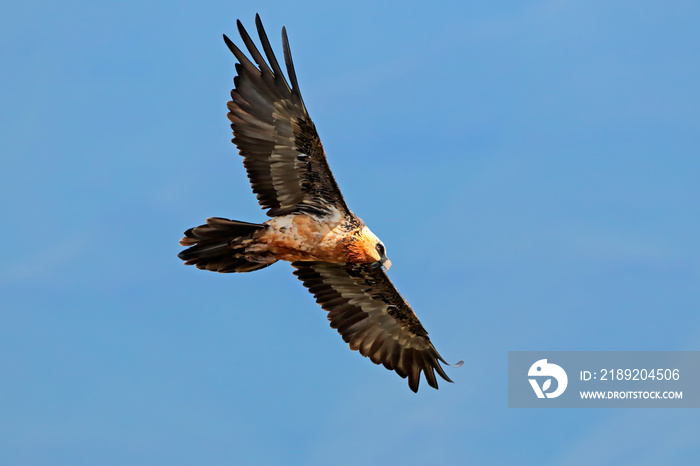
(334, 253)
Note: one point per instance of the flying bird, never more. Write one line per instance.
(335, 254)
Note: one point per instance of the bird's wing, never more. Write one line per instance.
(373, 318)
(281, 150)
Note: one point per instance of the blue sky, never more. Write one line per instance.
(531, 166)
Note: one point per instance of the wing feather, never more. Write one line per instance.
(373, 318)
(281, 150)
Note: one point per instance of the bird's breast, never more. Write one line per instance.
(303, 237)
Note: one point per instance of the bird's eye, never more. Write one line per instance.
(380, 249)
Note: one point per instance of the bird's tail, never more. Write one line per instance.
(220, 245)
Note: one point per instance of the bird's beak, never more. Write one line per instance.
(386, 263)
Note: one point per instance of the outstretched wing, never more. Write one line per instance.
(281, 150)
(373, 318)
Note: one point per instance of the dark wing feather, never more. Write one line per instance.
(373, 318)
(281, 150)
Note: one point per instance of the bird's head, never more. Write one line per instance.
(367, 248)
